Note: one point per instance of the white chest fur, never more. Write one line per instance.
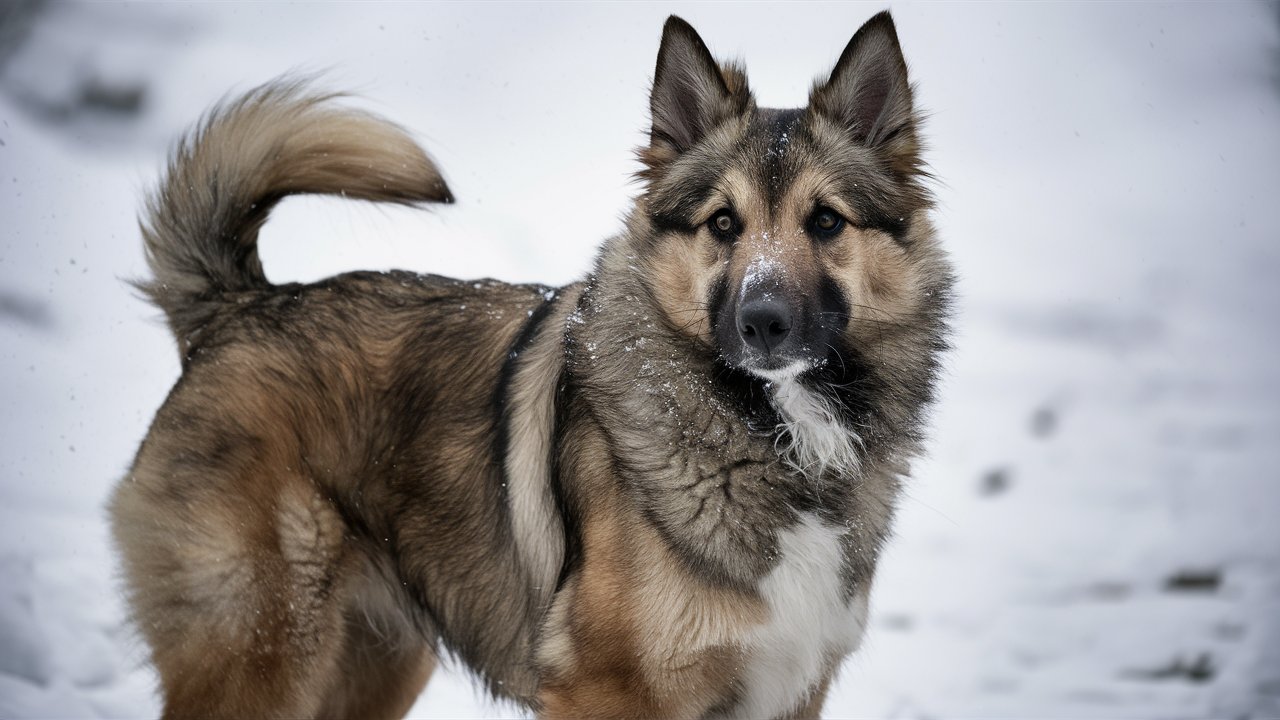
(810, 625)
(816, 440)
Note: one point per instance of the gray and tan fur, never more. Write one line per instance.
(659, 492)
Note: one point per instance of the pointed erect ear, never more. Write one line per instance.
(691, 95)
(868, 91)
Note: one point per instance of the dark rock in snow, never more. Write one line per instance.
(1200, 580)
(1044, 421)
(118, 96)
(995, 482)
(25, 310)
(898, 622)
(1199, 670)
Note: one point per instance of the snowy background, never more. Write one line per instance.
(1096, 532)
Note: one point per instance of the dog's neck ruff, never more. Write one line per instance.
(811, 437)
(690, 449)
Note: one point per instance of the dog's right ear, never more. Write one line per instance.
(691, 93)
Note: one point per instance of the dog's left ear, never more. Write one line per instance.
(868, 91)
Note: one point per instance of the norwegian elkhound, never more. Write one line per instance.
(657, 492)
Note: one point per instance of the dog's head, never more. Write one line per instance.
(785, 239)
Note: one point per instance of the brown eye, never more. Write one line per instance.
(826, 223)
(723, 224)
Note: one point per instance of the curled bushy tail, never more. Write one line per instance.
(201, 224)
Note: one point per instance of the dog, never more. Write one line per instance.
(658, 492)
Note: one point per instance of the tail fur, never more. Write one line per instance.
(201, 225)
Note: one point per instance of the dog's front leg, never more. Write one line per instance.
(624, 639)
(587, 656)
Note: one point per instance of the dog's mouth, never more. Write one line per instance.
(787, 363)
(802, 347)
(777, 370)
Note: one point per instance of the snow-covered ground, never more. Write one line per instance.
(1096, 532)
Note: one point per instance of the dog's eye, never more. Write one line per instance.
(723, 225)
(826, 223)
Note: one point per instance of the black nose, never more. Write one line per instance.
(764, 323)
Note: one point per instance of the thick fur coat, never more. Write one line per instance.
(658, 492)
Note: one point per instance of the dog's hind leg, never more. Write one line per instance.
(386, 661)
(377, 680)
(238, 570)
